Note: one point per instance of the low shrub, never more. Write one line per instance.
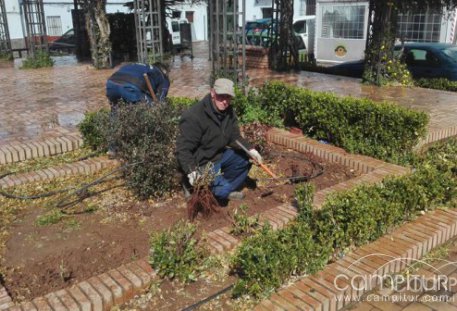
(40, 60)
(382, 130)
(243, 225)
(437, 84)
(95, 129)
(249, 110)
(265, 261)
(145, 138)
(346, 219)
(175, 254)
(181, 102)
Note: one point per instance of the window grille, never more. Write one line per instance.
(54, 24)
(343, 21)
(420, 27)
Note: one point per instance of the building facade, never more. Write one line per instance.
(58, 18)
(342, 29)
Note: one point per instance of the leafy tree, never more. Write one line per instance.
(383, 25)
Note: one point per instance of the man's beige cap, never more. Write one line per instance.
(224, 86)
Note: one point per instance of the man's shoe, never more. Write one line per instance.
(186, 191)
(236, 195)
(111, 154)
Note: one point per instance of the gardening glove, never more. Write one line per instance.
(256, 155)
(193, 177)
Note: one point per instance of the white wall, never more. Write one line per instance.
(13, 14)
(253, 10)
(199, 26)
(51, 8)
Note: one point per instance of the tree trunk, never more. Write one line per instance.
(98, 30)
(284, 52)
(381, 40)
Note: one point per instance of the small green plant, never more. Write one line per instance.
(7, 56)
(304, 194)
(95, 128)
(50, 218)
(396, 72)
(175, 253)
(64, 274)
(243, 225)
(40, 60)
(72, 224)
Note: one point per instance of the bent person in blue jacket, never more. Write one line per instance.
(129, 84)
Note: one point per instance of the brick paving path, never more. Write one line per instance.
(43, 103)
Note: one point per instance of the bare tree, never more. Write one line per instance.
(284, 52)
(98, 30)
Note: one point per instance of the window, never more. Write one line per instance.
(419, 27)
(267, 13)
(421, 57)
(174, 26)
(300, 27)
(190, 16)
(346, 22)
(54, 24)
(176, 14)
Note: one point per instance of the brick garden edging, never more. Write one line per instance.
(16, 152)
(436, 135)
(100, 292)
(119, 285)
(5, 299)
(389, 254)
(87, 167)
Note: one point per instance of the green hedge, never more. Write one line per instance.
(382, 130)
(437, 84)
(347, 219)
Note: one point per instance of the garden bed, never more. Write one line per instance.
(41, 259)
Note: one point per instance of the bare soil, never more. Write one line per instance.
(42, 259)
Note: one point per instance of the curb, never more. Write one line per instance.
(87, 167)
(16, 152)
(371, 261)
(100, 292)
(437, 135)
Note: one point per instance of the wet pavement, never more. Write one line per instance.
(40, 103)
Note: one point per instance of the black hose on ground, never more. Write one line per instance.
(207, 299)
(81, 191)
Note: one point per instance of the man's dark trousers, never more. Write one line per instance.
(234, 166)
